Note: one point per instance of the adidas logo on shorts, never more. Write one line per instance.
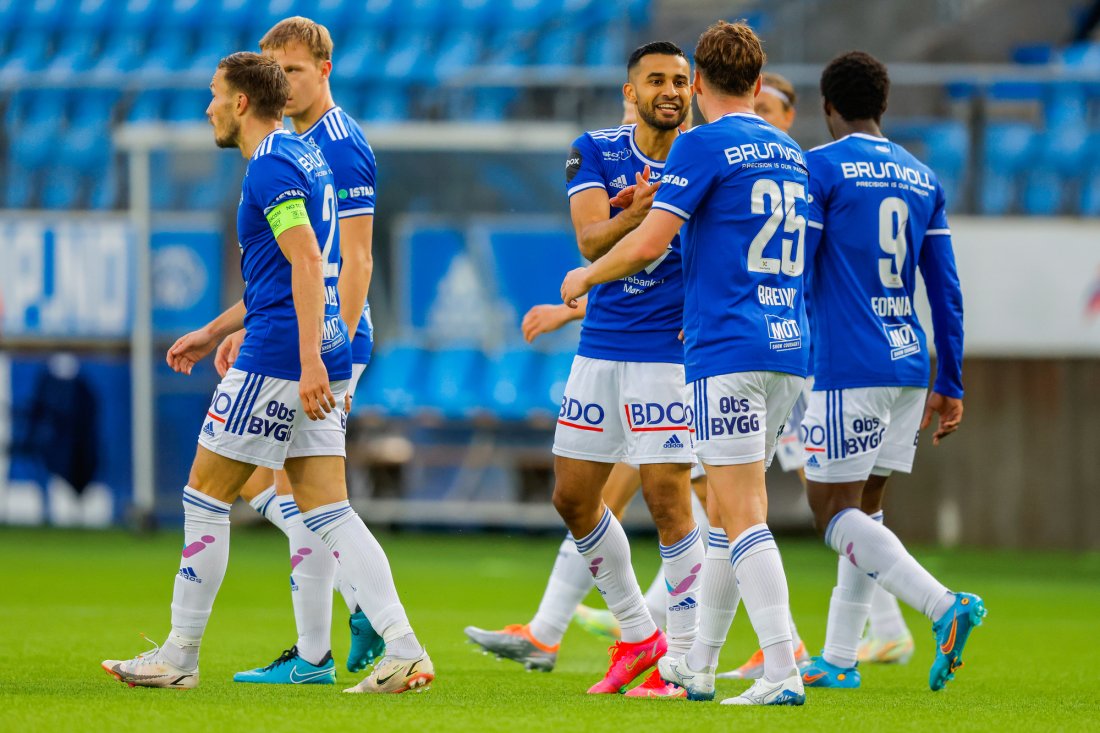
(673, 442)
(208, 429)
(813, 462)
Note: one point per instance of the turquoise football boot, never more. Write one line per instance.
(952, 631)
(366, 645)
(819, 673)
(291, 669)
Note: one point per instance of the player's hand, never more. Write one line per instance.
(950, 411)
(347, 403)
(623, 198)
(228, 351)
(642, 199)
(574, 286)
(543, 319)
(315, 391)
(189, 350)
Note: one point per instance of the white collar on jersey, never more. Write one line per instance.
(637, 151)
(320, 119)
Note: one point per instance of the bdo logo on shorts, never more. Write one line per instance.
(580, 415)
(654, 416)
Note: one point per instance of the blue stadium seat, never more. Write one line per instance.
(558, 46)
(138, 15)
(95, 16)
(458, 50)
(1090, 194)
(187, 105)
(148, 106)
(1008, 146)
(28, 53)
(19, 187)
(1082, 55)
(943, 145)
(168, 51)
(212, 47)
(360, 56)
(452, 388)
(510, 47)
(607, 46)
(529, 14)
(510, 386)
(477, 15)
(394, 381)
(121, 53)
(426, 16)
(103, 187)
(47, 15)
(61, 188)
(379, 14)
(390, 106)
(85, 147)
(550, 385)
(408, 58)
(73, 53)
(1043, 194)
(424, 254)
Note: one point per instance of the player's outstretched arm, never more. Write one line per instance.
(191, 348)
(548, 318)
(356, 235)
(307, 284)
(597, 232)
(638, 249)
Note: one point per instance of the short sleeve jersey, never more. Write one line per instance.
(347, 151)
(637, 318)
(283, 168)
(880, 214)
(740, 185)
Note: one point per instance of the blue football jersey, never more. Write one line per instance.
(285, 167)
(740, 185)
(876, 214)
(637, 318)
(352, 161)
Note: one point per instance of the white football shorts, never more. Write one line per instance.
(789, 450)
(259, 420)
(851, 433)
(624, 411)
(738, 417)
(356, 374)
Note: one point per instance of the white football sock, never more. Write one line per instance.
(202, 566)
(759, 569)
(266, 504)
(569, 583)
(682, 562)
(796, 640)
(365, 565)
(656, 598)
(848, 610)
(877, 551)
(312, 567)
(886, 619)
(718, 599)
(346, 591)
(607, 552)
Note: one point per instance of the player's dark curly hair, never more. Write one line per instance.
(856, 85)
(664, 48)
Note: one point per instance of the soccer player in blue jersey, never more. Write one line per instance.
(625, 399)
(304, 50)
(279, 406)
(876, 215)
(737, 186)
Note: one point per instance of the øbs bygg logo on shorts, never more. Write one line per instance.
(783, 333)
(580, 415)
(643, 417)
(274, 423)
(734, 418)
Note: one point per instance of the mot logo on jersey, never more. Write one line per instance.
(902, 339)
(783, 333)
(580, 415)
(645, 417)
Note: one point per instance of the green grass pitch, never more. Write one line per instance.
(70, 599)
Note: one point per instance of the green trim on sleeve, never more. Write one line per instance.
(287, 215)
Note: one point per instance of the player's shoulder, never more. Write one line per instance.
(611, 138)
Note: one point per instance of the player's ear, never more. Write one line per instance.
(696, 83)
(326, 69)
(629, 93)
(242, 104)
(756, 88)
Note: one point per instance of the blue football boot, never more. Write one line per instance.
(952, 631)
(366, 645)
(291, 669)
(819, 673)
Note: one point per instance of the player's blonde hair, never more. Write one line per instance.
(729, 56)
(297, 29)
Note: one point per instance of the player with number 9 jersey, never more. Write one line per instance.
(282, 169)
